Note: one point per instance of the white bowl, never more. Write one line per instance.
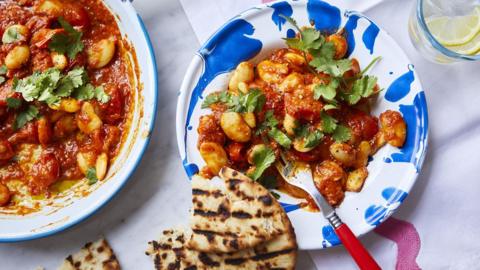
(70, 209)
(252, 35)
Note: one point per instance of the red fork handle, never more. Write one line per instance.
(361, 256)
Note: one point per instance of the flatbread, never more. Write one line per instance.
(234, 214)
(93, 256)
(171, 252)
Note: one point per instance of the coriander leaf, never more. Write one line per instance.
(292, 21)
(12, 35)
(262, 158)
(210, 100)
(25, 116)
(325, 52)
(270, 122)
(91, 176)
(362, 88)
(280, 137)
(39, 85)
(14, 103)
(326, 91)
(342, 134)
(329, 124)
(313, 139)
(310, 38)
(330, 106)
(294, 43)
(3, 70)
(301, 131)
(100, 95)
(59, 43)
(253, 101)
(268, 181)
(85, 92)
(335, 68)
(217, 97)
(371, 64)
(69, 42)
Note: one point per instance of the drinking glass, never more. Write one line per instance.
(421, 36)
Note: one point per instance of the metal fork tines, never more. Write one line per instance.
(301, 177)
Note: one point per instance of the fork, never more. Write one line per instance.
(302, 178)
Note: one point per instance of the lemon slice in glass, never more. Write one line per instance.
(451, 31)
(471, 48)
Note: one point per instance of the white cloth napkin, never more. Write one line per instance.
(438, 226)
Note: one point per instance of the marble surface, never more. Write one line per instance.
(443, 204)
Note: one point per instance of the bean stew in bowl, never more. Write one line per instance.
(71, 99)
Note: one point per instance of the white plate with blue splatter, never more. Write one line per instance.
(252, 35)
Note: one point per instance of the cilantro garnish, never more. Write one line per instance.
(335, 68)
(329, 124)
(370, 65)
(69, 42)
(252, 101)
(14, 103)
(88, 91)
(25, 116)
(341, 134)
(12, 35)
(3, 72)
(313, 139)
(214, 98)
(280, 137)
(91, 176)
(270, 126)
(50, 86)
(326, 91)
(311, 42)
(263, 158)
(270, 122)
(362, 88)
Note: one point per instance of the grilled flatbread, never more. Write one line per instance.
(93, 256)
(234, 214)
(171, 252)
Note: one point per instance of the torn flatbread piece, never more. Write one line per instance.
(93, 256)
(171, 252)
(233, 214)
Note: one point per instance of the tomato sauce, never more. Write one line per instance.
(56, 133)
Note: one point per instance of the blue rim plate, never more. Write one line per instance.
(252, 35)
(66, 211)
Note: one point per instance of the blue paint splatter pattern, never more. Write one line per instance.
(376, 214)
(281, 8)
(351, 25)
(327, 18)
(401, 86)
(329, 236)
(370, 35)
(416, 118)
(289, 207)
